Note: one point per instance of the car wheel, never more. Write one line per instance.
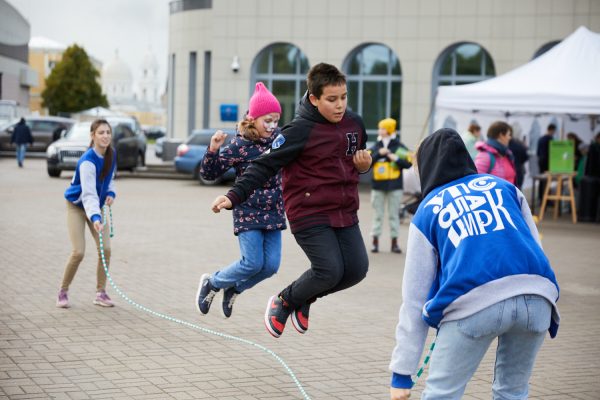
(206, 182)
(53, 172)
(203, 181)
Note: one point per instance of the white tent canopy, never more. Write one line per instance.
(564, 80)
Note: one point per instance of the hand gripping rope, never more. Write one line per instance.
(189, 324)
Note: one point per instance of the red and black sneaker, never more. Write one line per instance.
(276, 315)
(300, 318)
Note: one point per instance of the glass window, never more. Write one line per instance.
(460, 64)
(374, 84)
(43, 126)
(282, 67)
(123, 131)
(545, 48)
(463, 63)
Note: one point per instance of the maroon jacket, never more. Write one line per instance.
(320, 182)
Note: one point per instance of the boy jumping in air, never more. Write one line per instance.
(321, 153)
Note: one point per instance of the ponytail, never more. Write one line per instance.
(247, 129)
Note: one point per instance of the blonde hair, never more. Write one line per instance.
(247, 128)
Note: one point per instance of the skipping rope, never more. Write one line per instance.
(213, 332)
(189, 324)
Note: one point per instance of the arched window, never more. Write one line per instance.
(282, 67)
(545, 48)
(374, 84)
(462, 63)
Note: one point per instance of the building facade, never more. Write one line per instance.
(395, 53)
(15, 75)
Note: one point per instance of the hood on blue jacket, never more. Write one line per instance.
(442, 158)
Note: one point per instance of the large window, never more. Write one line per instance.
(461, 64)
(374, 84)
(545, 48)
(282, 67)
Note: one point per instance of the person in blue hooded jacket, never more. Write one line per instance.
(91, 188)
(475, 271)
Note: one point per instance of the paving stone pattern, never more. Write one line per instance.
(165, 238)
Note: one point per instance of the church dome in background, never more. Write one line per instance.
(117, 70)
(117, 80)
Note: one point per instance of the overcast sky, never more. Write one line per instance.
(103, 26)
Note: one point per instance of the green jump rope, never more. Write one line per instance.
(210, 331)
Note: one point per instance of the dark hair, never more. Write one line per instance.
(573, 136)
(474, 127)
(108, 156)
(247, 129)
(551, 127)
(498, 128)
(322, 75)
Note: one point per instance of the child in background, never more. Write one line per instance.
(390, 156)
(258, 221)
(92, 187)
(321, 153)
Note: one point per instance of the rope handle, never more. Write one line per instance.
(112, 233)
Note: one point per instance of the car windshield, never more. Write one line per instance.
(79, 131)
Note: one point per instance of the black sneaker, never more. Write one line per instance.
(276, 315)
(300, 318)
(206, 293)
(229, 296)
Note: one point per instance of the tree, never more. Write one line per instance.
(72, 85)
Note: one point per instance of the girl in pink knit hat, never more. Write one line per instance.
(258, 221)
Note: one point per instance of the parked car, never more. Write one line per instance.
(128, 141)
(43, 129)
(154, 132)
(190, 154)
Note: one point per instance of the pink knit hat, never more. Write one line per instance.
(262, 102)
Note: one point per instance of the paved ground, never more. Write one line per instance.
(166, 237)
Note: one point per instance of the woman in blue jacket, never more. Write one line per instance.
(475, 271)
(91, 188)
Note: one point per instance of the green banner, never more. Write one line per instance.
(562, 156)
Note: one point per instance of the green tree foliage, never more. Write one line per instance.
(72, 85)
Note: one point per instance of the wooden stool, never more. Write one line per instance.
(558, 196)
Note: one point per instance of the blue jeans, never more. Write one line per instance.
(520, 324)
(21, 149)
(261, 256)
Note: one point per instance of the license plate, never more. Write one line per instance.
(71, 160)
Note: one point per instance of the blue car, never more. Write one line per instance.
(190, 154)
